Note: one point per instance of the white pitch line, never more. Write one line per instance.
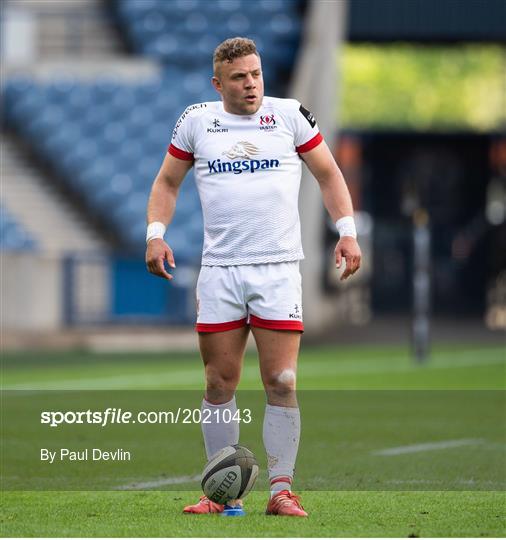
(171, 481)
(458, 481)
(426, 447)
(112, 382)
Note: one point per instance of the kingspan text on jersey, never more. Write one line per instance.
(237, 167)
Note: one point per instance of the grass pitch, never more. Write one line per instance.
(355, 508)
(332, 514)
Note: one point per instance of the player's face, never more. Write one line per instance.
(240, 84)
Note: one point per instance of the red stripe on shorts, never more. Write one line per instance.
(180, 154)
(220, 327)
(276, 325)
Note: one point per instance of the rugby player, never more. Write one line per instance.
(247, 152)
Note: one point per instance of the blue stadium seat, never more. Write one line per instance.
(130, 211)
(94, 119)
(195, 84)
(96, 174)
(149, 90)
(131, 9)
(23, 106)
(123, 101)
(45, 121)
(77, 160)
(129, 154)
(122, 184)
(181, 6)
(273, 6)
(112, 137)
(107, 195)
(141, 118)
(59, 91)
(146, 170)
(18, 85)
(58, 142)
(137, 235)
(14, 91)
(13, 236)
(104, 89)
(163, 47)
(195, 23)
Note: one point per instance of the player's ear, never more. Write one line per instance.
(217, 84)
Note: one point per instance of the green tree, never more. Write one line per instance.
(424, 88)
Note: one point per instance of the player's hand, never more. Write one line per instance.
(347, 248)
(157, 252)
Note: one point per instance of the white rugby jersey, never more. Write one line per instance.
(247, 171)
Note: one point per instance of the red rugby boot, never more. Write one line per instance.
(285, 503)
(204, 506)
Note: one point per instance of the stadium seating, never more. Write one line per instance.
(185, 32)
(13, 237)
(107, 138)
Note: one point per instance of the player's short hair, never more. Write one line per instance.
(233, 48)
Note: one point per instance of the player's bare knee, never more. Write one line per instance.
(220, 383)
(219, 386)
(282, 383)
(287, 377)
(219, 394)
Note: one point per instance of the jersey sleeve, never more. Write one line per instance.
(181, 145)
(307, 135)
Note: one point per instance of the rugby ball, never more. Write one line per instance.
(229, 474)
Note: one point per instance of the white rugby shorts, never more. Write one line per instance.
(262, 295)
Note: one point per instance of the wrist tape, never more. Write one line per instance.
(155, 230)
(346, 227)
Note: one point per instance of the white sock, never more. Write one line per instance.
(281, 440)
(280, 483)
(217, 432)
